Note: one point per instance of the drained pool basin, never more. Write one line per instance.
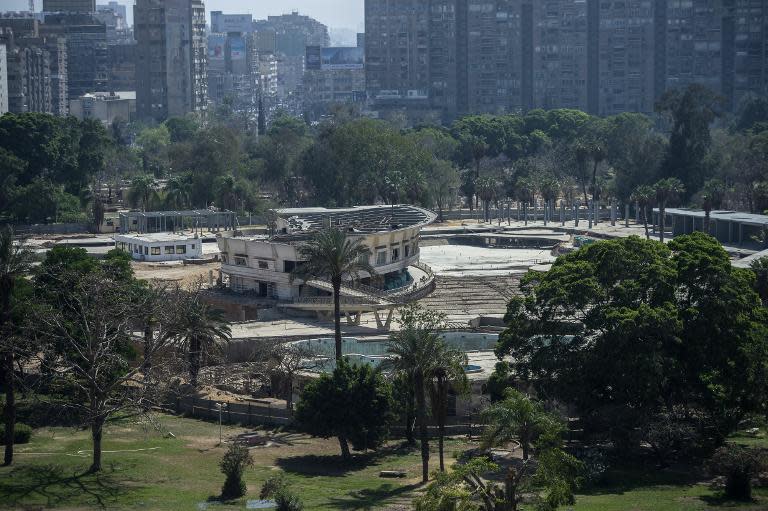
(360, 351)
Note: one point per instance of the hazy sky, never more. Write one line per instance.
(334, 13)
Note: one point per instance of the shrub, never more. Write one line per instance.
(738, 464)
(233, 465)
(21, 434)
(276, 487)
(273, 486)
(287, 501)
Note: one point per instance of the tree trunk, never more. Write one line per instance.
(645, 222)
(440, 439)
(662, 208)
(706, 222)
(421, 415)
(336, 283)
(10, 406)
(344, 448)
(409, 419)
(194, 360)
(148, 340)
(97, 429)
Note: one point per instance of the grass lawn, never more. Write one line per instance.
(182, 472)
(649, 489)
(158, 472)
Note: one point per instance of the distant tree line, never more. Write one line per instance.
(52, 166)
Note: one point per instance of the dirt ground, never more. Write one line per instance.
(175, 271)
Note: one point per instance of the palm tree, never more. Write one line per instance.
(516, 417)
(643, 197)
(448, 373)
(486, 191)
(711, 198)
(15, 260)
(142, 191)
(666, 190)
(549, 189)
(331, 255)
(177, 193)
(416, 350)
(200, 330)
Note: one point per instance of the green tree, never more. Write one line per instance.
(711, 198)
(233, 465)
(692, 110)
(627, 329)
(443, 182)
(739, 465)
(331, 255)
(15, 261)
(353, 403)
(418, 351)
(486, 192)
(143, 192)
(177, 193)
(448, 374)
(760, 268)
(153, 146)
(666, 190)
(517, 417)
(199, 330)
(643, 197)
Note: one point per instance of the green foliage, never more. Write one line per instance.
(692, 110)
(500, 379)
(655, 327)
(272, 486)
(21, 433)
(233, 464)
(738, 464)
(353, 403)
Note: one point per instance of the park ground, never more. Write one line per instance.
(149, 468)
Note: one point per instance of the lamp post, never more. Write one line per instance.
(220, 407)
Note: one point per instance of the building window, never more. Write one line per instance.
(155, 250)
(193, 247)
(241, 261)
(169, 250)
(381, 257)
(407, 250)
(395, 254)
(181, 249)
(146, 250)
(130, 247)
(289, 266)
(263, 265)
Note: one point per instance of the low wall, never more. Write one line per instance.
(249, 413)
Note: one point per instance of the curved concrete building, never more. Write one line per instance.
(262, 264)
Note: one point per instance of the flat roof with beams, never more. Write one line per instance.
(730, 216)
(361, 219)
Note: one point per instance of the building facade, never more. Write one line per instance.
(263, 264)
(105, 106)
(3, 79)
(224, 23)
(79, 6)
(28, 74)
(171, 75)
(86, 39)
(160, 246)
(603, 57)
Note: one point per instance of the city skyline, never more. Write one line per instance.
(344, 14)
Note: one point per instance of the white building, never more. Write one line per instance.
(104, 106)
(160, 246)
(262, 264)
(3, 80)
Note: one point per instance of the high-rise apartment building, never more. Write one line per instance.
(86, 37)
(3, 80)
(600, 56)
(27, 32)
(171, 58)
(28, 75)
(79, 6)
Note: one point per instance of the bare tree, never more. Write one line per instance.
(89, 342)
(282, 362)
